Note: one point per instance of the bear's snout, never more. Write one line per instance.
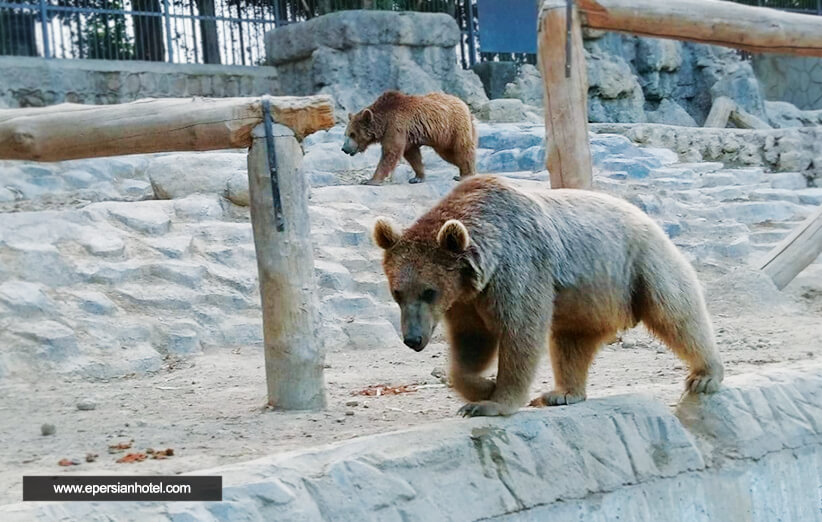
(350, 147)
(414, 342)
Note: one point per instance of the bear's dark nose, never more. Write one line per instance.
(413, 342)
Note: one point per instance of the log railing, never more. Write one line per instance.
(293, 354)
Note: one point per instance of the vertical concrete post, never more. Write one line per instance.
(293, 352)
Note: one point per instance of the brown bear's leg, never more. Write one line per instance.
(473, 348)
(414, 158)
(519, 355)
(388, 162)
(571, 357)
(688, 333)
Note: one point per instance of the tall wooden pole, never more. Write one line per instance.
(566, 97)
(293, 352)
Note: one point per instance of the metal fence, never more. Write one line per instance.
(226, 32)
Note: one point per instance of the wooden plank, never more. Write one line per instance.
(746, 120)
(566, 99)
(795, 252)
(70, 131)
(755, 29)
(285, 264)
(720, 112)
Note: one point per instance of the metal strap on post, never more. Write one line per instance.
(569, 14)
(272, 164)
(44, 24)
(169, 39)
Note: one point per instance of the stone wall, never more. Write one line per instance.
(752, 452)
(35, 82)
(793, 79)
(357, 55)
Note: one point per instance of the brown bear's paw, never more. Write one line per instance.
(372, 181)
(485, 409)
(557, 398)
(416, 180)
(703, 383)
(457, 178)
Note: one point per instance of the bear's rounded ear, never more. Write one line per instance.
(367, 115)
(385, 234)
(453, 236)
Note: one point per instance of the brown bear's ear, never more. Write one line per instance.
(385, 234)
(453, 236)
(367, 115)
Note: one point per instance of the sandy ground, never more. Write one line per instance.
(210, 411)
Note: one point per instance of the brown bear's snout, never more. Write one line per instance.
(350, 147)
(414, 342)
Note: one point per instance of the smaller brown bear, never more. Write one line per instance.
(515, 268)
(402, 124)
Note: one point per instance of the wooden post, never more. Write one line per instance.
(795, 252)
(566, 99)
(720, 112)
(293, 352)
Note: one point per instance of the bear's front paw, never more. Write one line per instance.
(483, 409)
(416, 180)
(372, 181)
(556, 398)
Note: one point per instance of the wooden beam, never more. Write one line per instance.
(285, 264)
(566, 99)
(720, 112)
(755, 29)
(795, 252)
(71, 131)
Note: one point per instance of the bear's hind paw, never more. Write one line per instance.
(416, 180)
(556, 398)
(702, 383)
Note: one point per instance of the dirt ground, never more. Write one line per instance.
(210, 411)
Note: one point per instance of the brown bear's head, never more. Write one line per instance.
(360, 132)
(426, 277)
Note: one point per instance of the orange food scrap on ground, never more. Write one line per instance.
(132, 457)
(68, 462)
(377, 390)
(160, 454)
(121, 445)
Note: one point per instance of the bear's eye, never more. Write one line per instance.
(351, 135)
(429, 295)
(397, 295)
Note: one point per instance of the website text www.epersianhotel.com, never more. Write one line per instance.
(118, 488)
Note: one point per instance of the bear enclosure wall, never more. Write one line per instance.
(278, 197)
(562, 61)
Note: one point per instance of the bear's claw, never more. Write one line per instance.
(556, 398)
(416, 180)
(373, 182)
(702, 383)
(481, 409)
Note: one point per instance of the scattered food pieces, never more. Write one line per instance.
(91, 457)
(377, 390)
(160, 454)
(86, 405)
(352, 404)
(68, 462)
(132, 457)
(120, 446)
(48, 429)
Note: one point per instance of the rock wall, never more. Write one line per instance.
(35, 82)
(793, 79)
(356, 55)
(752, 452)
(638, 80)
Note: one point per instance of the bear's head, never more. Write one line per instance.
(426, 276)
(360, 132)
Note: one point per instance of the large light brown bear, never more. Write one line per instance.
(514, 267)
(402, 124)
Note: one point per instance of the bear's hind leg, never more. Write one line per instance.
(473, 349)
(414, 158)
(681, 322)
(571, 357)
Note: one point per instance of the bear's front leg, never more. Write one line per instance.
(518, 359)
(473, 349)
(391, 153)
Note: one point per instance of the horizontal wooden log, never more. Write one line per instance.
(755, 29)
(795, 252)
(71, 131)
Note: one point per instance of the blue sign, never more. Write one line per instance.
(508, 26)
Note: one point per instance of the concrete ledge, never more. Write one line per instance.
(751, 452)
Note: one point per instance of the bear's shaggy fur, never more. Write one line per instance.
(402, 124)
(513, 267)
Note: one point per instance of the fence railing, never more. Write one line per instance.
(229, 32)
